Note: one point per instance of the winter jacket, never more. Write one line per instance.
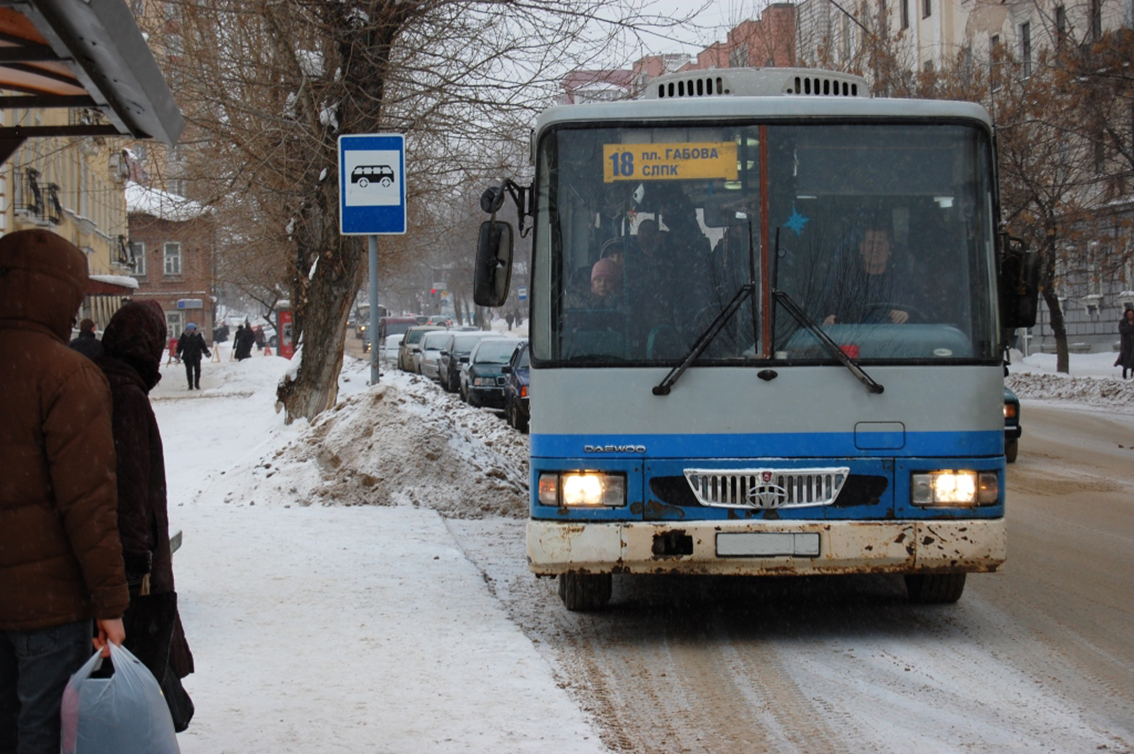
(190, 346)
(60, 558)
(87, 344)
(134, 341)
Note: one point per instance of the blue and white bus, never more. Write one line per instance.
(766, 333)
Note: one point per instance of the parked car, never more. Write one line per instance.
(427, 359)
(388, 326)
(483, 383)
(459, 344)
(517, 408)
(1012, 429)
(389, 352)
(410, 344)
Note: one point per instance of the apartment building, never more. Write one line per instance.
(74, 79)
(172, 243)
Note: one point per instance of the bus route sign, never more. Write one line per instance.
(658, 162)
(372, 186)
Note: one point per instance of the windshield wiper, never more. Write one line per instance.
(705, 338)
(806, 322)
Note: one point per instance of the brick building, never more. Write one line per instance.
(172, 241)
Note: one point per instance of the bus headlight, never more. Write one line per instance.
(582, 489)
(954, 488)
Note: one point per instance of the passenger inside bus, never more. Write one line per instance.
(606, 283)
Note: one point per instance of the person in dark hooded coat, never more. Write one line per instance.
(133, 344)
(60, 559)
(87, 342)
(242, 342)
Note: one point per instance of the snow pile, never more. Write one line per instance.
(402, 442)
(1091, 391)
(1093, 381)
(405, 442)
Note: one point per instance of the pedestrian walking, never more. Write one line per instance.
(509, 319)
(86, 342)
(1126, 344)
(190, 346)
(242, 342)
(60, 556)
(133, 343)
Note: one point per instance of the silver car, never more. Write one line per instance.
(428, 357)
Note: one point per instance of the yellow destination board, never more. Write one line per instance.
(668, 162)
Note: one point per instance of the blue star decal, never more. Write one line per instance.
(797, 221)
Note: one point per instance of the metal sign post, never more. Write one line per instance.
(372, 202)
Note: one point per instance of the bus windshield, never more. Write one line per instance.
(882, 233)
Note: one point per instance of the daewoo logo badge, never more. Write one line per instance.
(614, 448)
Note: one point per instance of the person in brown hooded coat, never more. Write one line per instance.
(133, 344)
(60, 557)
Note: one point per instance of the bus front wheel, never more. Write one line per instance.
(584, 591)
(935, 588)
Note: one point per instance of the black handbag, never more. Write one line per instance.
(149, 629)
(149, 623)
(177, 699)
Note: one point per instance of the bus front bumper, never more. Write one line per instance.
(767, 547)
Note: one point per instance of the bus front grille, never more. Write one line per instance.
(766, 488)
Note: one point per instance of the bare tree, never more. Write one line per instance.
(271, 84)
(1050, 123)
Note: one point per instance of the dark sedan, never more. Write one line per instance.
(517, 408)
(484, 378)
(459, 344)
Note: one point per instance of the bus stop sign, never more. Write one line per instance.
(372, 186)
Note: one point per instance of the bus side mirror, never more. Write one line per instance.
(493, 272)
(1019, 284)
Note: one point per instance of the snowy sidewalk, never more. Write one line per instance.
(357, 630)
(320, 629)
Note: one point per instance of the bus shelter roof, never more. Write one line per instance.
(81, 54)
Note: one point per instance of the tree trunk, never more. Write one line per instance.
(1058, 329)
(321, 305)
(1054, 308)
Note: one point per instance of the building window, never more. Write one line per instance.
(1060, 24)
(173, 259)
(1026, 48)
(905, 14)
(1096, 20)
(926, 8)
(173, 324)
(138, 258)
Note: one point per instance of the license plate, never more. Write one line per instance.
(767, 544)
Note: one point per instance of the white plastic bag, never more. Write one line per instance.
(123, 714)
